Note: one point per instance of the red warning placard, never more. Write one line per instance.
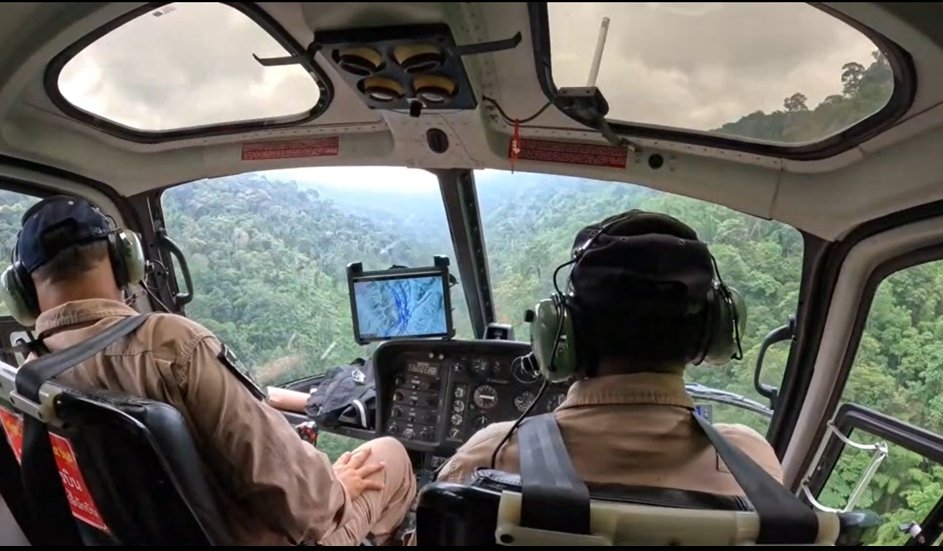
(13, 427)
(291, 149)
(80, 500)
(549, 151)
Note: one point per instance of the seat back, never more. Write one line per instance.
(124, 467)
(550, 504)
(132, 472)
(451, 514)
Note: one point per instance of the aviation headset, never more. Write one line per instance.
(555, 321)
(88, 223)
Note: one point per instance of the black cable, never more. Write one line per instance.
(517, 423)
(508, 119)
(553, 357)
(733, 309)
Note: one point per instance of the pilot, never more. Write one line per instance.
(274, 487)
(626, 418)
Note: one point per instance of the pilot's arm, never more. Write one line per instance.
(290, 484)
(288, 400)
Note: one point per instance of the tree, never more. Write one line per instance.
(795, 103)
(851, 77)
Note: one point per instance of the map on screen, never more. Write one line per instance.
(401, 307)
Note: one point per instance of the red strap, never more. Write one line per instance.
(515, 143)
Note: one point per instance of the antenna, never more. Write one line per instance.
(597, 56)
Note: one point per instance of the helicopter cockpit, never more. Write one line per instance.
(365, 202)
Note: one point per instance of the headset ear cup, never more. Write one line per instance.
(132, 254)
(566, 361)
(543, 332)
(127, 257)
(19, 297)
(729, 314)
(547, 348)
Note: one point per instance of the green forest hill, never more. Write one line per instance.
(268, 260)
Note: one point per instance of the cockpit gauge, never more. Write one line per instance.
(480, 422)
(524, 375)
(485, 397)
(523, 400)
(458, 406)
(555, 401)
(481, 367)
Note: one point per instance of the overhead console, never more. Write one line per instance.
(434, 395)
(406, 67)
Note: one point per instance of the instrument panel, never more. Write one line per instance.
(434, 395)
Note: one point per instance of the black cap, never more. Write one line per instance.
(641, 262)
(641, 285)
(55, 224)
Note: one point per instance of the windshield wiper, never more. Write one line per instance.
(697, 390)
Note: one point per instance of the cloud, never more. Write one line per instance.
(692, 65)
(701, 65)
(190, 66)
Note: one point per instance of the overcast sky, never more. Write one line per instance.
(693, 65)
(699, 65)
(192, 65)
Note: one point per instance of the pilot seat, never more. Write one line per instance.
(548, 504)
(102, 468)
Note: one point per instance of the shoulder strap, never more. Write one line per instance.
(34, 374)
(784, 518)
(553, 496)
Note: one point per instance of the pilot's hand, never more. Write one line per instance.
(353, 471)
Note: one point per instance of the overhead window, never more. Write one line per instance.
(786, 74)
(184, 66)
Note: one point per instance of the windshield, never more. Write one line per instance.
(268, 253)
(530, 221)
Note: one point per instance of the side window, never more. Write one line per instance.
(897, 373)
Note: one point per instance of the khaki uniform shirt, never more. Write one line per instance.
(634, 430)
(274, 487)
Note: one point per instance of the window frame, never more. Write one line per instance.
(250, 10)
(898, 104)
(885, 269)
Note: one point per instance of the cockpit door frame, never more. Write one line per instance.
(162, 273)
(887, 245)
(464, 219)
